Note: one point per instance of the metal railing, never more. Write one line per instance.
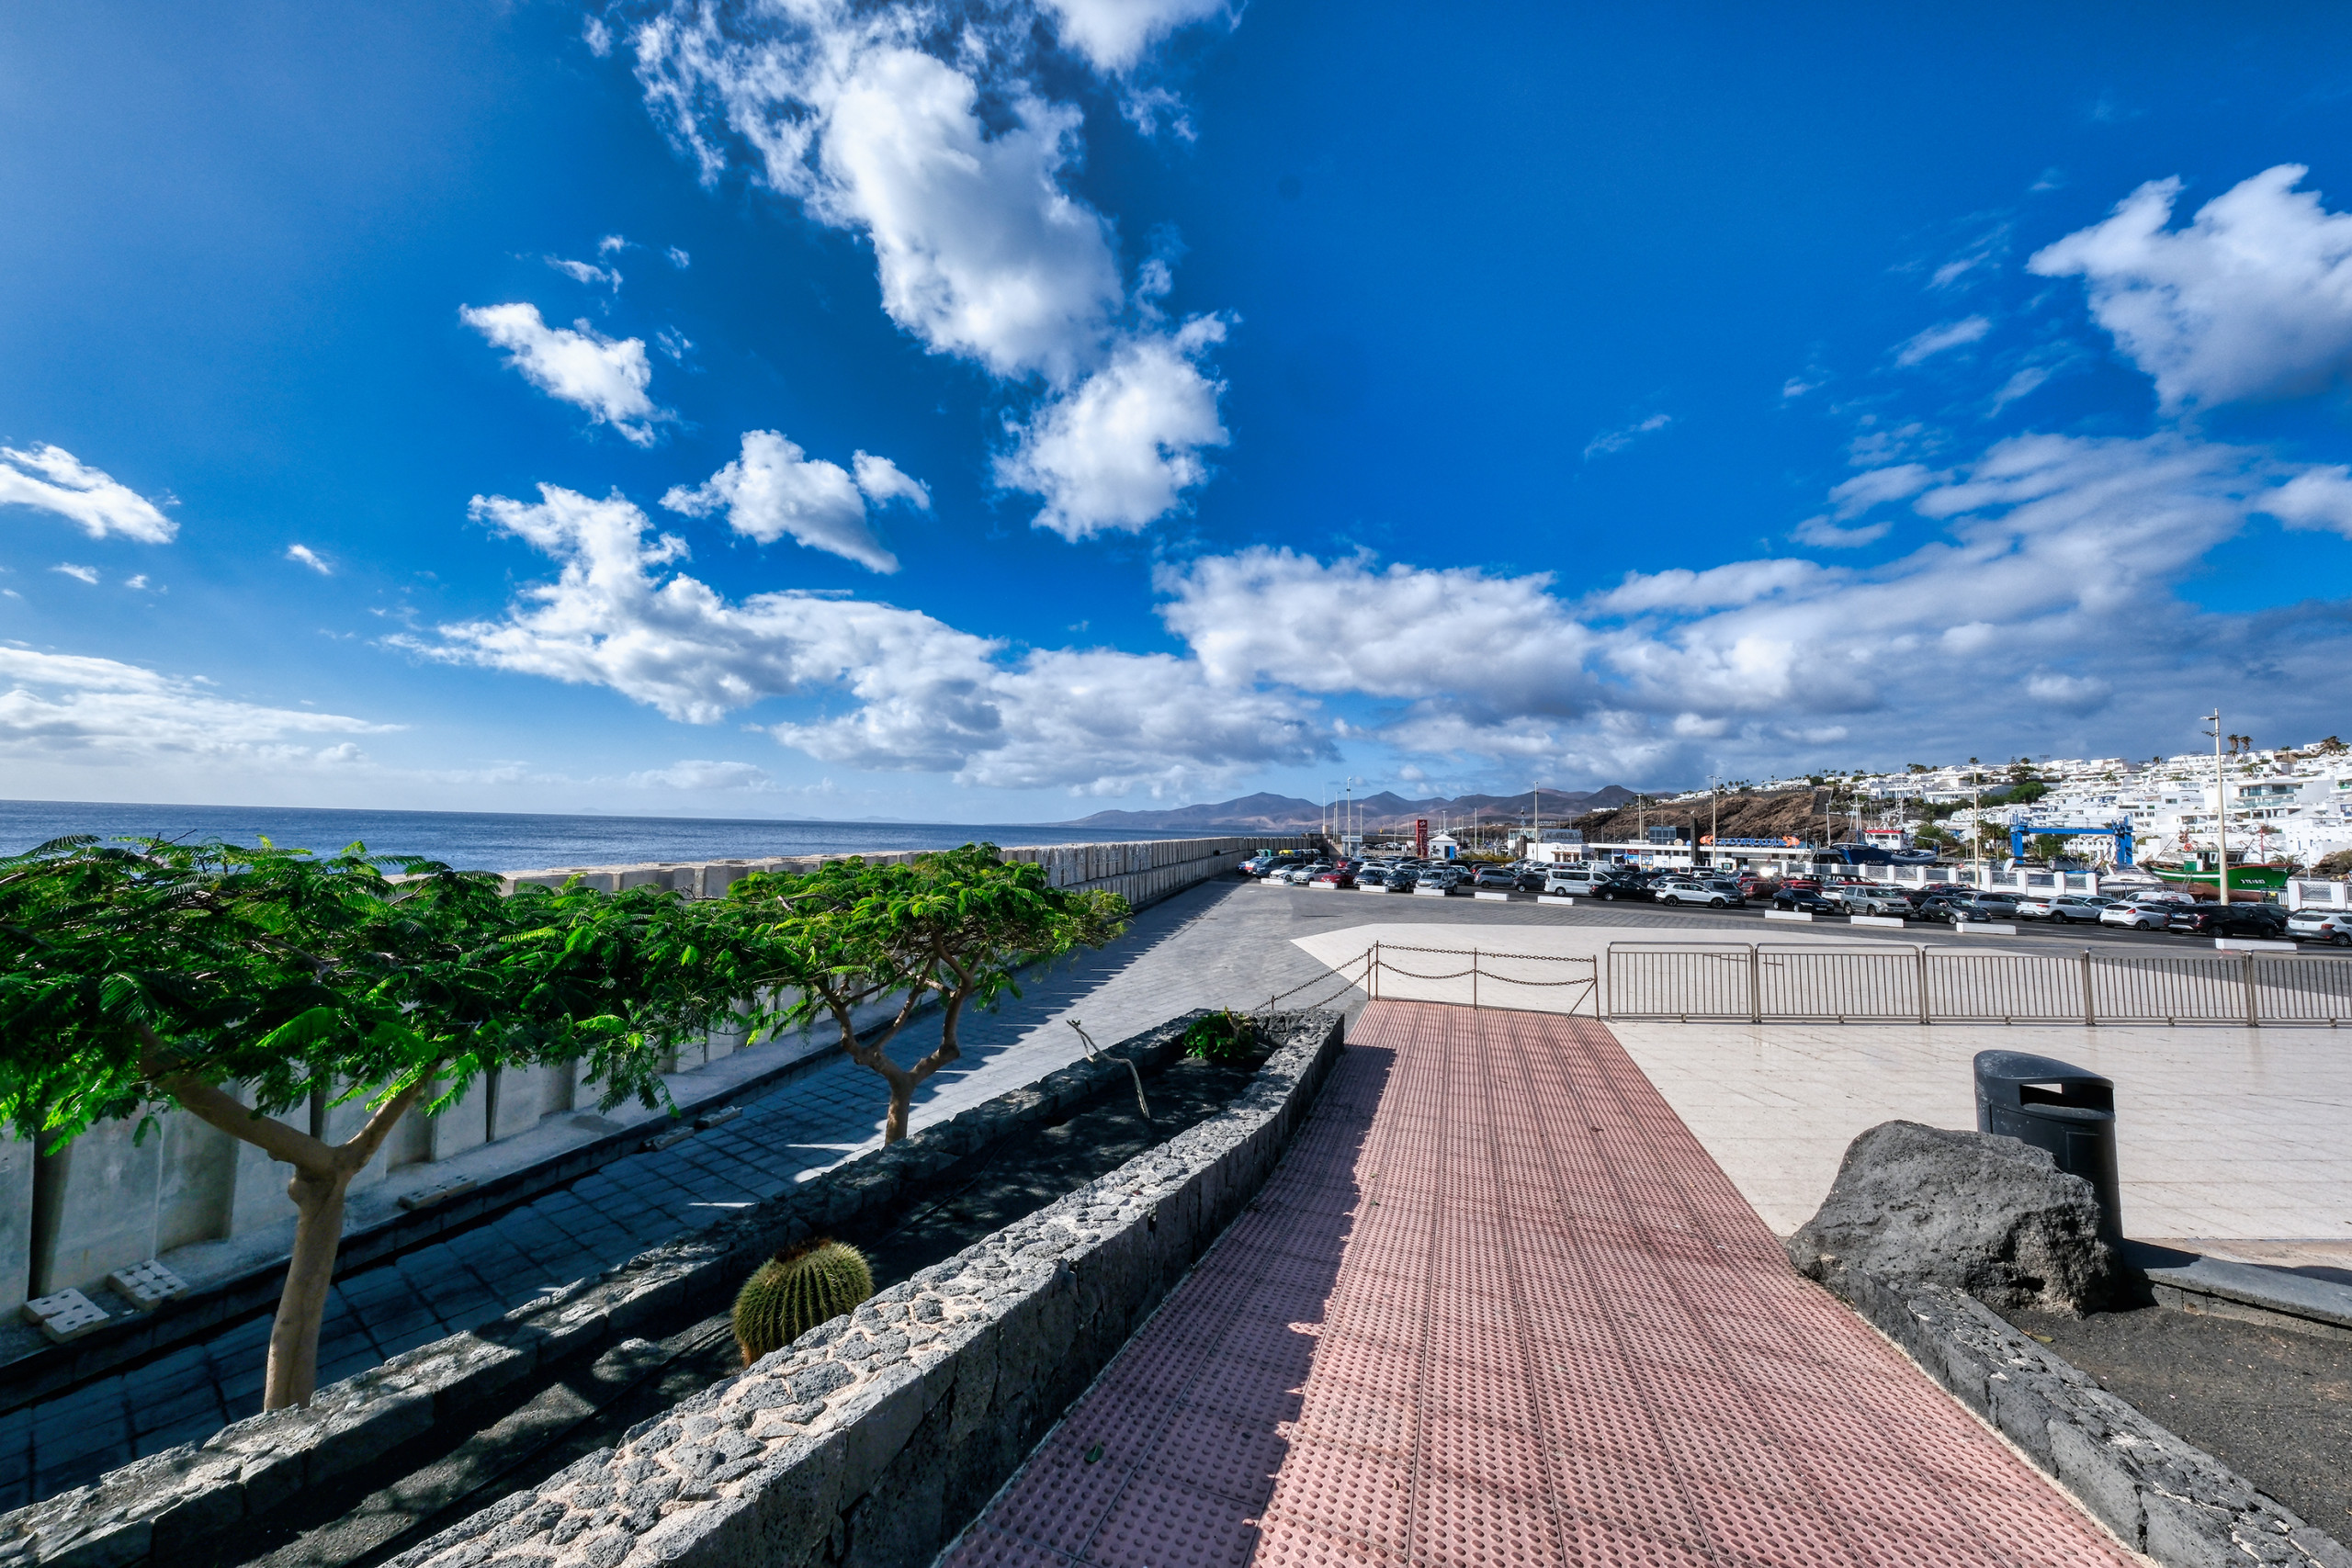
(1528, 982)
(1759, 983)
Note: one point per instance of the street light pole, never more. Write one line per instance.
(2221, 811)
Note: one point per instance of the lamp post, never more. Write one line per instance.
(2221, 810)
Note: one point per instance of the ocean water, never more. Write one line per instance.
(486, 840)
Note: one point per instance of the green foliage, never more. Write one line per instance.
(1228, 1038)
(2046, 847)
(132, 963)
(954, 924)
(793, 1291)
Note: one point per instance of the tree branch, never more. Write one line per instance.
(242, 1121)
(361, 1147)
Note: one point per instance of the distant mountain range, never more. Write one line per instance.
(1286, 813)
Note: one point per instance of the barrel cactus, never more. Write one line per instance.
(793, 1291)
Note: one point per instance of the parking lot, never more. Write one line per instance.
(1752, 918)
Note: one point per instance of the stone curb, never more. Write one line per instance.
(869, 1441)
(2160, 1494)
(2280, 1297)
(175, 1501)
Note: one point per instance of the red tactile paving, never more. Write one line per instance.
(1498, 1309)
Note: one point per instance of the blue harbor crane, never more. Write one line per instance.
(2120, 831)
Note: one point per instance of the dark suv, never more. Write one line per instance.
(2258, 920)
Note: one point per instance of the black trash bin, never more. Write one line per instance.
(2053, 1106)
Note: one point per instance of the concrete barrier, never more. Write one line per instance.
(1788, 914)
(1553, 898)
(1894, 921)
(1429, 892)
(1982, 928)
(1487, 893)
(871, 1440)
(2252, 945)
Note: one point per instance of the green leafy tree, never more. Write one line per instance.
(2046, 847)
(952, 927)
(238, 984)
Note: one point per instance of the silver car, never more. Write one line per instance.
(2060, 906)
(2331, 926)
(2140, 914)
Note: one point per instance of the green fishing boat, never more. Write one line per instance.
(2266, 876)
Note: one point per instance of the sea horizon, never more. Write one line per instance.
(522, 841)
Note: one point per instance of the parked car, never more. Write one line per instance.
(1496, 879)
(2059, 907)
(1756, 886)
(1614, 888)
(1685, 890)
(1575, 877)
(2333, 926)
(2215, 918)
(2139, 914)
(1979, 907)
(1300, 876)
(1444, 878)
(1340, 875)
(1803, 900)
(1868, 898)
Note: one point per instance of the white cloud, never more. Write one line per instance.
(921, 695)
(1114, 34)
(89, 574)
(606, 377)
(1120, 448)
(581, 272)
(774, 489)
(882, 483)
(137, 583)
(679, 258)
(2315, 498)
(1935, 340)
(2070, 693)
(302, 555)
(924, 130)
(2252, 301)
(77, 708)
(1618, 440)
(2058, 552)
(612, 245)
(697, 774)
(2018, 386)
(53, 480)
(1824, 533)
(1865, 491)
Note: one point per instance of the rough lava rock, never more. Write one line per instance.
(1988, 1215)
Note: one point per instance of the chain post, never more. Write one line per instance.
(2253, 1006)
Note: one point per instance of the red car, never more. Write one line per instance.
(1340, 875)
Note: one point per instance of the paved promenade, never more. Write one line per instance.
(1497, 1307)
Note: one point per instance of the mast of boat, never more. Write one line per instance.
(2221, 810)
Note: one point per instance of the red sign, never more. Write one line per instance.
(1421, 837)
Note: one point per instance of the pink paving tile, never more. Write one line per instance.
(1498, 1308)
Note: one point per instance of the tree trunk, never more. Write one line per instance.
(293, 1372)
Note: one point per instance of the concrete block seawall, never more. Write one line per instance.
(109, 1201)
(1142, 871)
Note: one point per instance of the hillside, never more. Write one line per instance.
(1384, 811)
(1791, 813)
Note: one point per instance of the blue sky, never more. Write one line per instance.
(1001, 412)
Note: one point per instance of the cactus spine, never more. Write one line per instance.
(793, 1291)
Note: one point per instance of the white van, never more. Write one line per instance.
(1576, 877)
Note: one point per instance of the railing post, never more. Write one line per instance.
(2090, 1014)
(1921, 954)
(2253, 1008)
(1473, 979)
(1755, 986)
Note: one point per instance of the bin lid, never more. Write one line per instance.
(2015, 1079)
